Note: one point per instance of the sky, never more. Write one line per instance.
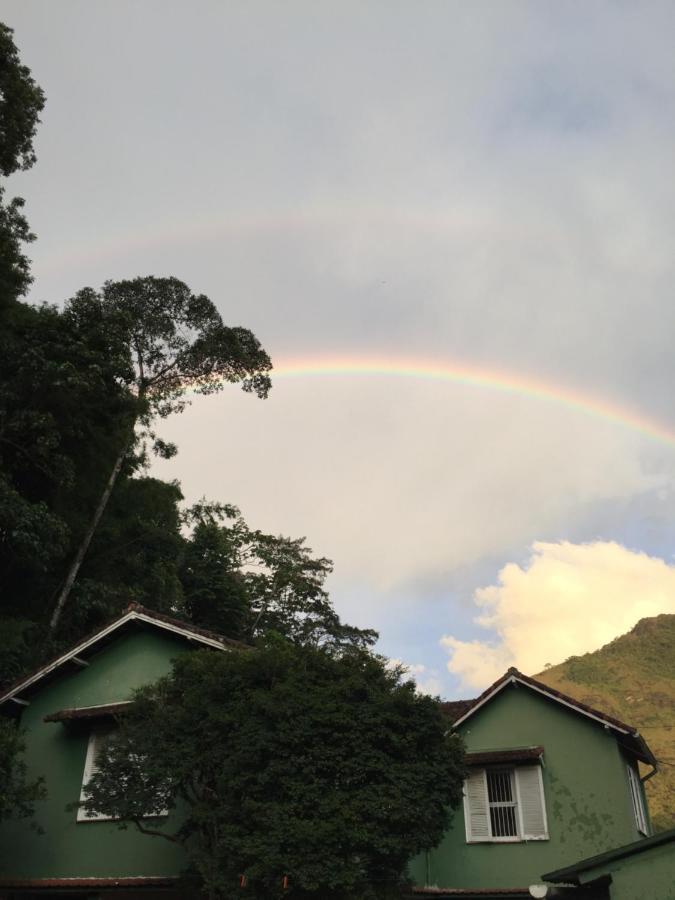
(381, 190)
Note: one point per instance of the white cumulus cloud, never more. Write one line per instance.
(568, 599)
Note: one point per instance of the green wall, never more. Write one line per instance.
(71, 848)
(586, 791)
(640, 876)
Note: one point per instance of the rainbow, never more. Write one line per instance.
(493, 380)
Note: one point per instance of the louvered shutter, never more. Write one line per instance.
(476, 811)
(97, 740)
(636, 797)
(530, 788)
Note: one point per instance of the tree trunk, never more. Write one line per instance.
(86, 540)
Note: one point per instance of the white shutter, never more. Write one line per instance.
(530, 792)
(476, 810)
(636, 797)
(97, 739)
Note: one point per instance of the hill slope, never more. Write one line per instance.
(633, 679)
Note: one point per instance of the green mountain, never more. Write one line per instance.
(633, 679)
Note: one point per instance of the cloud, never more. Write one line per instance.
(567, 600)
(429, 684)
(398, 481)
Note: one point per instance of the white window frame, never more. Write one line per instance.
(84, 815)
(512, 804)
(637, 800)
(521, 837)
(89, 769)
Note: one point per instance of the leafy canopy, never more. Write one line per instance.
(21, 101)
(246, 584)
(17, 795)
(285, 761)
(175, 341)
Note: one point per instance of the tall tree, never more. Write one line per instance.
(174, 341)
(21, 101)
(288, 762)
(247, 584)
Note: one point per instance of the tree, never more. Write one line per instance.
(21, 101)
(17, 795)
(247, 584)
(285, 761)
(173, 341)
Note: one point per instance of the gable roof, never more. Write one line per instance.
(134, 614)
(630, 738)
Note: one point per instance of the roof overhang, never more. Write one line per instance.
(88, 713)
(509, 756)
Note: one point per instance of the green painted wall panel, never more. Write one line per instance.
(648, 875)
(586, 792)
(70, 848)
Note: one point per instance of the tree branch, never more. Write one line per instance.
(155, 832)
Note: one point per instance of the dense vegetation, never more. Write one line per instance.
(633, 678)
(311, 728)
(290, 762)
(84, 529)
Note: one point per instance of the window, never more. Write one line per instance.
(505, 805)
(97, 740)
(638, 800)
(502, 802)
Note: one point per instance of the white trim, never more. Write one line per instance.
(513, 679)
(521, 837)
(20, 701)
(542, 801)
(115, 704)
(128, 617)
(89, 769)
(637, 801)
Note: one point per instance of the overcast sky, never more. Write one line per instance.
(470, 183)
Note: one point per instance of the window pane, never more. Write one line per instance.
(499, 787)
(502, 803)
(503, 821)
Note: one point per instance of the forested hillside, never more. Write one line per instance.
(633, 678)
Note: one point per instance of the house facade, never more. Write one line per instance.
(66, 709)
(551, 781)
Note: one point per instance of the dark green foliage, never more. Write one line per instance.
(17, 795)
(175, 340)
(134, 556)
(245, 583)
(286, 760)
(15, 277)
(213, 585)
(168, 341)
(21, 101)
(63, 403)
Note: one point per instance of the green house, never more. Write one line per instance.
(551, 781)
(67, 708)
